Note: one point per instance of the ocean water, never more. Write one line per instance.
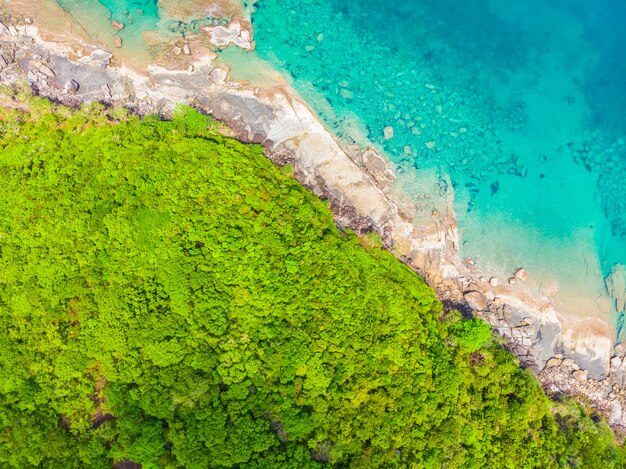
(521, 104)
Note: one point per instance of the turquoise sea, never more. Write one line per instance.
(522, 104)
(516, 107)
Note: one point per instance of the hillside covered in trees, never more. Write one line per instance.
(169, 297)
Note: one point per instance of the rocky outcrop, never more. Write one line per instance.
(359, 186)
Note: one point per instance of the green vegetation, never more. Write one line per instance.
(169, 297)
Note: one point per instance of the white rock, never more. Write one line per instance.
(101, 56)
(4, 31)
(493, 282)
(616, 362)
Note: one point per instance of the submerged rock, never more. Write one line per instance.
(117, 25)
(616, 286)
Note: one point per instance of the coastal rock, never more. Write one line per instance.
(71, 86)
(102, 56)
(46, 71)
(580, 375)
(493, 282)
(4, 31)
(218, 75)
(388, 132)
(117, 25)
(476, 300)
(616, 363)
(377, 166)
(222, 36)
(615, 412)
(521, 274)
(118, 42)
(553, 362)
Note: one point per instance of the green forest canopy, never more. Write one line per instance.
(169, 297)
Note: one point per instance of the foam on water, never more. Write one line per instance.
(520, 104)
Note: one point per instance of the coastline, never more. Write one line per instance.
(359, 185)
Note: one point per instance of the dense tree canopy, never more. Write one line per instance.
(169, 297)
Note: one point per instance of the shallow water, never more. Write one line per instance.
(520, 103)
(147, 24)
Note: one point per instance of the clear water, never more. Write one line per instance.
(521, 103)
(147, 28)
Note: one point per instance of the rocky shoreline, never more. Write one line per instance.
(358, 184)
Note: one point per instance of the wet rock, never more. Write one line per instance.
(118, 42)
(71, 86)
(388, 132)
(521, 274)
(476, 300)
